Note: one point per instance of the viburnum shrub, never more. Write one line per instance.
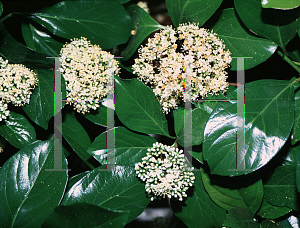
(109, 107)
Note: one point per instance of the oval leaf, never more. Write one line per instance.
(198, 11)
(144, 25)
(272, 212)
(199, 207)
(102, 22)
(130, 147)
(17, 130)
(279, 4)
(240, 42)
(28, 192)
(83, 215)
(41, 106)
(138, 108)
(279, 26)
(268, 121)
(240, 217)
(118, 189)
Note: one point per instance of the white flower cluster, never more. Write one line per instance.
(16, 83)
(85, 68)
(144, 6)
(163, 171)
(163, 64)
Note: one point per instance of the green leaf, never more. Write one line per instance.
(1, 8)
(118, 189)
(240, 217)
(105, 23)
(98, 116)
(240, 42)
(290, 222)
(130, 147)
(199, 208)
(41, 106)
(280, 189)
(280, 4)
(144, 25)
(197, 155)
(83, 215)
(199, 118)
(199, 11)
(138, 108)
(296, 126)
(269, 117)
(17, 130)
(298, 169)
(15, 52)
(77, 137)
(269, 224)
(244, 191)
(279, 26)
(40, 41)
(28, 192)
(272, 212)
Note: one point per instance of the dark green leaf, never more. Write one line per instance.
(240, 42)
(118, 189)
(290, 222)
(98, 116)
(17, 130)
(199, 118)
(296, 127)
(199, 208)
(105, 23)
(41, 106)
(199, 11)
(279, 4)
(28, 192)
(269, 224)
(280, 189)
(269, 106)
(144, 25)
(279, 26)
(83, 215)
(130, 147)
(244, 192)
(40, 41)
(272, 212)
(298, 169)
(138, 108)
(240, 217)
(197, 155)
(76, 136)
(15, 52)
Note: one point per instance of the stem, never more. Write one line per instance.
(7, 16)
(289, 61)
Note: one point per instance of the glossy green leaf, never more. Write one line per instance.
(105, 23)
(98, 116)
(15, 52)
(76, 136)
(240, 217)
(272, 212)
(40, 41)
(297, 160)
(130, 147)
(280, 189)
(83, 215)
(269, 117)
(296, 126)
(199, 118)
(28, 192)
(138, 108)
(118, 189)
(144, 25)
(17, 130)
(198, 209)
(269, 224)
(41, 106)
(279, 26)
(199, 11)
(280, 4)
(229, 193)
(197, 155)
(240, 42)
